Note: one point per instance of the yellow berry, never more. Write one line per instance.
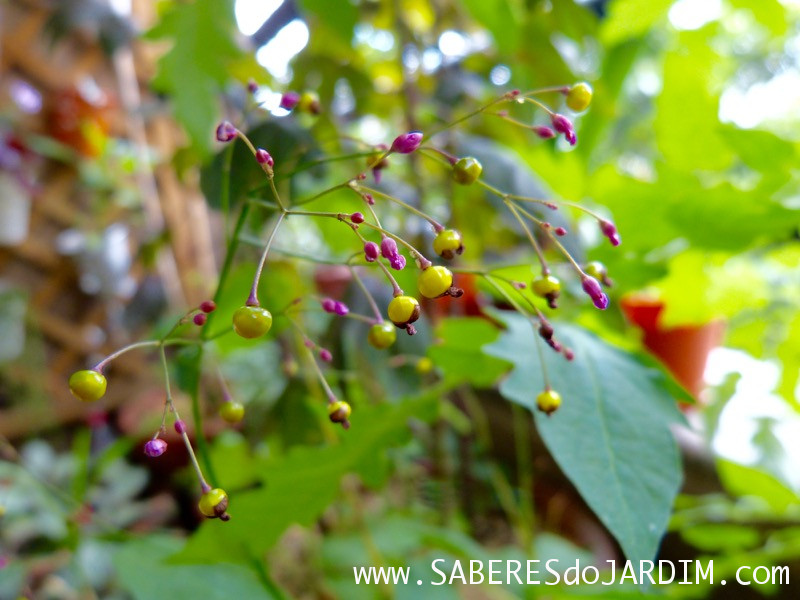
(403, 310)
(596, 269)
(214, 503)
(424, 365)
(467, 170)
(339, 411)
(579, 96)
(382, 335)
(252, 321)
(232, 411)
(548, 401)
(309, 102)
(87, 385)
(434, 281)
(547, 284)
(448, 243)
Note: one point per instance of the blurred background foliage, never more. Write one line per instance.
(690, 145)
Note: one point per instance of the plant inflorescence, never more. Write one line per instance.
(391, 252)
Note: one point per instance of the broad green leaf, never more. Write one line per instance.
(196, 67)
(611, 435)
(297, 487)
(145, 574)
(741, 480)
(332, 18)
(772, 14)
(459, 353)
(631, 18)
(500, 18)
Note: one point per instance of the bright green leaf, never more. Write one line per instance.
(459, 354)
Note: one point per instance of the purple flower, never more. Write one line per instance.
(340, 308)
(180, 426)
(610, 231)
(371, 251)
(155, 447)
(328, 305)
(289, 100)
(226, 131)
(592, 287)
(563, 125)
(544, 132)
(263, 157)
(407, 142)
(398, 262)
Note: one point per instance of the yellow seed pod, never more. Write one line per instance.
(579, 96)
(434, 281)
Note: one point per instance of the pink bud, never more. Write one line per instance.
(200, 319)
(226, 131)
(388, 247)
(563, 125)
(560, 231)
(208, 306)
(180, 426)
(398, 262)
(369, 199)
(371, 251)
(544, 132)
(263, 157)
(340, 308)
(325, 355)
(407, 142)
(328, 305)
(252, 86)
(610, 231)
(155, 448)
(289, 100)
(592, 287)
(357, 217)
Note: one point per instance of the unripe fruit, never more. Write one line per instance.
(339, 411)
(579, 96)
(434, 281)
(467, 170)
(87, 385)
(309, 102)
(596, 269)
(214, 503)
(424, 365)
(403, 310)
(545, 285)
(548, 401)
(447, 243)
(382, 335)
(232, 411)
(252, 321)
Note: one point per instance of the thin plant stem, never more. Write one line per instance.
(531, 237)
(102, 364)
(360, 283)
(252, 300)
(436, 225)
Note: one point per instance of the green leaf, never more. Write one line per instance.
(194, 70)
(611, 435)
(500, 18)
(632, 18)
(459, 353)
(300, 485)
(337, 18)
(146, 575)
(741, 480)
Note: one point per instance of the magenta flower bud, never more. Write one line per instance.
(357, 217)
(407, 142)
(563, 125)
(289, 100)
(252, 86)
(155, 448)
(388, 247)
(263, 157)
(592, 287)
(226, 131)
(208, 306)
(200, 319)
(325, 355)
(369, 199)
(560, 231)
(398, 262)
(610, 231)
(544, 132)
(180, 426)
(328, 305)
(371, 251)
(340, 308)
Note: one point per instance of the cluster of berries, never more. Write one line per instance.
(251, 320)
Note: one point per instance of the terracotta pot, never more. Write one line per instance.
(683, 349)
